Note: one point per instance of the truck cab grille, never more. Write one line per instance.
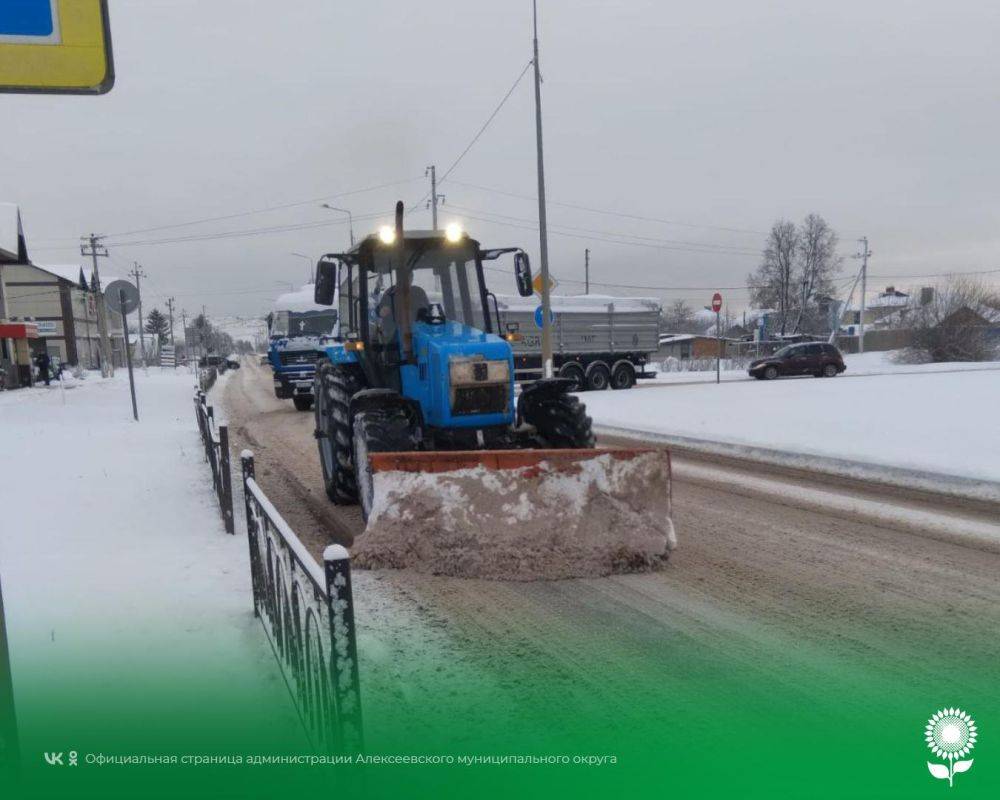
(298, 357)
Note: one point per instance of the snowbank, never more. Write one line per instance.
(936, 420)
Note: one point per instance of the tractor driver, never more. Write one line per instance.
(386, 311)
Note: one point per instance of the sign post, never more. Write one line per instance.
(123, 297)
(55, 47)
(717, 308)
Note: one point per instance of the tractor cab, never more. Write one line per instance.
(423, 364)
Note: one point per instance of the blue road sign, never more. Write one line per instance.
(540, 320)
(55, 46)
(27, 18)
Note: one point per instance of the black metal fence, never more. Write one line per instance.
(216, 443)
(9, 752)
(308, 615)
(207, 377)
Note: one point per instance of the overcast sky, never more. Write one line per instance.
(714, 118)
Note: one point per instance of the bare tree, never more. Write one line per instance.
(818, 263)
(796, 272)
(956, 324)
(679, 317)
(771, 286)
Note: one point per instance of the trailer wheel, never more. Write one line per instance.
(302, 403)
(378, 431)
(561, 422)
(334, 388)
(598, 376)
(574, 372)
(623, 376)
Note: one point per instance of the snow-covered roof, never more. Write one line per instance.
(299, 301)
(71, 273)
(673, 338)
(595, 303)
(10, 231)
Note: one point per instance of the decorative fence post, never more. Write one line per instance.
(10, 756)
(344, 656)
(246, 460)
(226, 498)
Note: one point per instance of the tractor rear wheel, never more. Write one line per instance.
(561, 422)
(334, 388)
(383, 430)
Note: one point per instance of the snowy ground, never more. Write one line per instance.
(113, 556)
(881, 363)
(938, 418)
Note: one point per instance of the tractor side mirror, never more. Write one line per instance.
(522, 274)
(326, 283)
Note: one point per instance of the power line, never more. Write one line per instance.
(597, 238)
(479, 133)
(707, 246)
(607, 212)
(265, 210)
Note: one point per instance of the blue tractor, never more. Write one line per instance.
(297, 328)
(423, 366)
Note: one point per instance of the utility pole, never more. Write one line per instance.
(170, 311)
(435, 197)
(187, 349)
(137, 273)
(586, 271)
(864, 255)
(92, 247)
(543, 236)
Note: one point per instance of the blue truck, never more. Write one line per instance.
(297, 329)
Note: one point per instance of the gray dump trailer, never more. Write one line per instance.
(597, 341)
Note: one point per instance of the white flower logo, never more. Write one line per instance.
(951, 734)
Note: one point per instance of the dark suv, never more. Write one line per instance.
(809, 358)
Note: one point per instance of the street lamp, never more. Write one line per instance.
(350, 219)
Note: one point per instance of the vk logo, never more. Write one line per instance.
(54, 759)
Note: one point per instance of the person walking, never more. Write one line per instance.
(43, 361)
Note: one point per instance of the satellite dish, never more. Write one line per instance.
(113, 296)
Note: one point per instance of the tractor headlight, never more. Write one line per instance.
(387, 234)
(453, 233)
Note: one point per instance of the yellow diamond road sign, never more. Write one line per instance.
(537, 284)
(55, 46)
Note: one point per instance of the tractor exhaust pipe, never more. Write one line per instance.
(403, 283)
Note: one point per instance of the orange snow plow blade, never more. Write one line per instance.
(519, 514)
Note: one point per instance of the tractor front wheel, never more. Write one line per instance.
(334, 388)
(561, 422)
(383, 430)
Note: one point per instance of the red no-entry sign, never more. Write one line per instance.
(716, 302)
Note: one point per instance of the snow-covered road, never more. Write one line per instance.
(115, 565)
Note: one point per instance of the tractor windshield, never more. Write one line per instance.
(443, 273)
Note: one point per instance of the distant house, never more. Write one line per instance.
(687, 345)
(889, 309)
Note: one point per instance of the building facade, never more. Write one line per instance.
(64, 312)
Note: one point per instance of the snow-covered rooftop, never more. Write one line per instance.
(299, 301)
(594, 303)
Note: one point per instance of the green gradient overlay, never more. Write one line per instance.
(677, 720)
